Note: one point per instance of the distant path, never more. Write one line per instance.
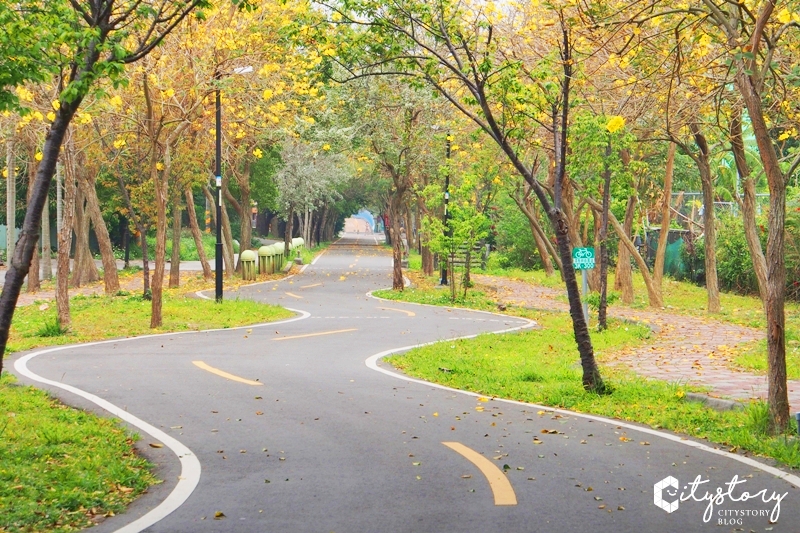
(686, 349)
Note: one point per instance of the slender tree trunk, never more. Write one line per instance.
(748, 205)
(653, 295)
(34, 285)
(11, 204)
(89, 193)
(47, 253)
(145, 263)
(227, 245)
(666, 218)
(776, 268)
(525, 205)
(19, 263)
(710, 239)
(175, 259)
(425, 252)
(84, 270)
(226, 257)
(623, 281)
(65, 238)
(196, 235)
(396, 204)
(287, 233)
(157, 286)
(603, 307)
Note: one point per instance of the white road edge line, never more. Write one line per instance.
(190, 465)
(372, 363)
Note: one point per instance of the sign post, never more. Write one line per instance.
(583, 260)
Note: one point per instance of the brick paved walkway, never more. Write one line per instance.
(685, 349)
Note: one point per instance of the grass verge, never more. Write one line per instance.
(688, 299)
(541, 366)
(62, 469)
(98, 317)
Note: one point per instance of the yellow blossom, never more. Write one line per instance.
(84, 118)
(784, 16)
(51, 116)
(326, 147)
(159, 166)
(38, 156)
(615, 124)
(56, 105)
(258, 153)
(119, 143)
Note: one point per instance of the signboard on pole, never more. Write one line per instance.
(583, 258)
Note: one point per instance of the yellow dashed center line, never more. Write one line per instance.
(409, 313)
(294, 295)
(498, 482)
(314, 334)
(222, 373)
(309, 286)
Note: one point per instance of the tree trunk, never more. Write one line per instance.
(776, 268)
(425, 252)
(145, 263)
(666, 217)
(160, 181)
(623, 281)
(196, 235)
(19, 263)
(11, 204)
(110, 277)
(226, 257)
(67, 212)
(748, 205)
(603, 307)
(653, 295)
(47, 253)
(33, 274)
(175, 259)
(84, 269)
(710, 239)
(525, 204)
(396, 205)
(287, 233)
(227, 245)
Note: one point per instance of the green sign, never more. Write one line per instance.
(583, 258)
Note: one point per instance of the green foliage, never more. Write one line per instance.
(51, 328)
(734, 262)
(513, 237)
(56, 463)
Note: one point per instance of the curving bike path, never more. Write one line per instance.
(297, 426)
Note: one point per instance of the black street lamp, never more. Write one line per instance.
(218, 176)
(447, 231)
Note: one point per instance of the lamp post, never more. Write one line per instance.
(447, 231)
(218, 176)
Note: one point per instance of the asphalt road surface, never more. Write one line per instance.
(298, 427)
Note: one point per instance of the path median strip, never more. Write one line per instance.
(314, 334)
(222, 373)
(498, 482)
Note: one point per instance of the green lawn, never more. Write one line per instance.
(61, 467)
(689, 299)
(542, 366)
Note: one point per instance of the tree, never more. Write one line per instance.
(457, 51)
(101, 36)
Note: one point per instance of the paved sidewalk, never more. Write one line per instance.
(686, 349)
